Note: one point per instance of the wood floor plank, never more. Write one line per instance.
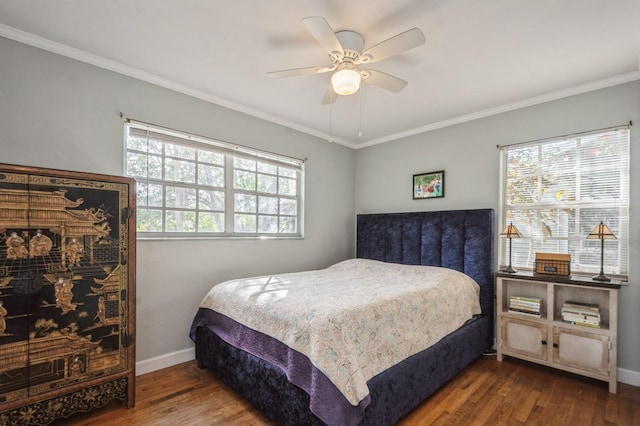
(488, 392)
(524, 410)
(611, 410)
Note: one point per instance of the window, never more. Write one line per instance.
(189, 186)
(556, 191)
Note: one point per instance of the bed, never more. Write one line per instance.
(291, 387)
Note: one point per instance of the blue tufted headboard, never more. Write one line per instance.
(456, 239)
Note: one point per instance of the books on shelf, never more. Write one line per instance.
(588, 307)
(578, 313)
(525, 305)
(520, 311)
(582, 324)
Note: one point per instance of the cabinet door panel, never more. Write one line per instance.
(525, 337)
(64, 281)
(583, 350)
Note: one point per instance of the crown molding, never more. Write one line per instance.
(576, 90)
(82, 56)
(101, 62)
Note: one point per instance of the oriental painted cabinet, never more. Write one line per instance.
(67, 289)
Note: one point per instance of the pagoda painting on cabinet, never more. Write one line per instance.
(65, 279)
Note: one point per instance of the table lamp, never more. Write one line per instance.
(601, 232)
(510, 232)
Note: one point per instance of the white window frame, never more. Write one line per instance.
(282, 205)
(558, 224)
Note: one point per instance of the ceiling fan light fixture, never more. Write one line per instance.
(346, 80)
(346, 53)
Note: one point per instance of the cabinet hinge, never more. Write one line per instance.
(128, 340)
(127, 213)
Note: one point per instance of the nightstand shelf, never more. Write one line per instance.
(548, 340)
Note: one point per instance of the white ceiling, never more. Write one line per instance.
(481, 57)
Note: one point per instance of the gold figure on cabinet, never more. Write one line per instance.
(102, 311)
(40, 244)
(74, 253)
(64, 295)
(15, 247)
(76, 367)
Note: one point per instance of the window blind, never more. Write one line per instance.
(173, 136)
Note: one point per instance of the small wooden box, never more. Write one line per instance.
(556, 264)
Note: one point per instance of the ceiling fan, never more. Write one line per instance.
(345, 49)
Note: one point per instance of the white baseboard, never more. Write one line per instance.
(629, 377)
(164, 361)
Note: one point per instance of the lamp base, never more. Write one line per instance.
(601, 277)
(509, 270)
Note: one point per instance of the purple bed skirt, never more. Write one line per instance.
(393, 393)
(325, 400)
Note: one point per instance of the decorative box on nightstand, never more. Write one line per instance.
(585, 347)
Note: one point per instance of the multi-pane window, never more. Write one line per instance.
(556, 191)
(192, 186)
(265, 197)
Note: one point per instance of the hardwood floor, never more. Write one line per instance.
(486, 393)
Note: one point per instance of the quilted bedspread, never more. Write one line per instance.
(354, 319)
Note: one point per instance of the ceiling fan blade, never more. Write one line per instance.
(320, 29)
(383, 80)
(329, 97)
(299, 71)
(392, 46)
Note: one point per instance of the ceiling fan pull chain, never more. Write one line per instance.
(331, 116)
(360, 105)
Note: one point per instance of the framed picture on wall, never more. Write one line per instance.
(428, 185)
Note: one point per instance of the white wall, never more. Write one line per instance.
(467, 152)
(59, 113)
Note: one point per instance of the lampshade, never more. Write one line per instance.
(511, 232)
(601, 232)
(346, 80)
